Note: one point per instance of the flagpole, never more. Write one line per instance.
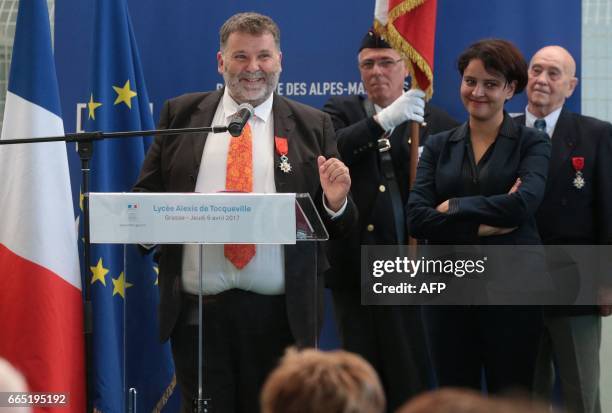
(414, 159)
(85, 150)
(410, 27)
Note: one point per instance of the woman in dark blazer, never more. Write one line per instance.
(481, 183)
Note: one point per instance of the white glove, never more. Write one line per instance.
(409, 106)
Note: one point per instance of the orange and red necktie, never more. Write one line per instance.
(239, 178)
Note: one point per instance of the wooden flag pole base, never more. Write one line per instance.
(414, 159)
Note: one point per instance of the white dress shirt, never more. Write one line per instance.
(265, 273)
(550, 119)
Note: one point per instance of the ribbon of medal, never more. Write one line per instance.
(282, 148)
(578, 164)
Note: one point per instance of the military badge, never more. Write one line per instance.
(578, 164)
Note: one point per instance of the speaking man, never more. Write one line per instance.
(257, 299)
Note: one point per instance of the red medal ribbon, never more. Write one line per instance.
(282, 146)
(578, 163)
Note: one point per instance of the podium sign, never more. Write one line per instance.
(192, 218)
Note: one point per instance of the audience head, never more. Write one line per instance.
(455, 400)
(11, 381)
(312, 381)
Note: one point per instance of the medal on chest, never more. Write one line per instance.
(282, 148)
(578, 164)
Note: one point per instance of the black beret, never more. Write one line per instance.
(373, 41)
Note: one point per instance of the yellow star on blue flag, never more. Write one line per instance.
(92, 106)
(99, 273)
(143, 363)
(120, 285)
(124, 94)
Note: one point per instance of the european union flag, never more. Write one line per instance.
(127, 355)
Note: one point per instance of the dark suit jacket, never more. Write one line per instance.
(357, 136)
(518, 152)
(569, 215)
(172, 164)
(572, 216)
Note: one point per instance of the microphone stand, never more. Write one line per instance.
(85, 148)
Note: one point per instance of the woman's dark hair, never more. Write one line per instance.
(499, 56)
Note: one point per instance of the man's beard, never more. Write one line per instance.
(256, 96)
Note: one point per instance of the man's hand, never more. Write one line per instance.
(605, 310)
(335, 181)
(604, 299)
(409, 106)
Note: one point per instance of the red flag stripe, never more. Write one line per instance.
(410, 29)
(41, 312)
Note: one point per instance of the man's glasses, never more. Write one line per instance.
(369, 64)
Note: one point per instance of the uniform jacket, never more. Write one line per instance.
(357, 135)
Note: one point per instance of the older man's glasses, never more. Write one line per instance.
(384, 64)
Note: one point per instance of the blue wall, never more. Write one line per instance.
(179, 39)
(178, 42)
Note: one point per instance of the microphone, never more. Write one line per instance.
(239, 119)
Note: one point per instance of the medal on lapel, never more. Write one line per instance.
(578, 164)
(282, 148)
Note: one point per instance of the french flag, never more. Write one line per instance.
(41, 311)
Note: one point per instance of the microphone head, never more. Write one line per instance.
(248, 107)
(239, 119)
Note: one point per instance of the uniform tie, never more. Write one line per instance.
(239, 178)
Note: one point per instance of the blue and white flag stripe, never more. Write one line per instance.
(38, 84)
(40, 285)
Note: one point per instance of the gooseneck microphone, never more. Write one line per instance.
(239, 119)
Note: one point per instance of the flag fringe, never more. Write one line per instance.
(166, 396)
(403, 8)
(397, 41)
